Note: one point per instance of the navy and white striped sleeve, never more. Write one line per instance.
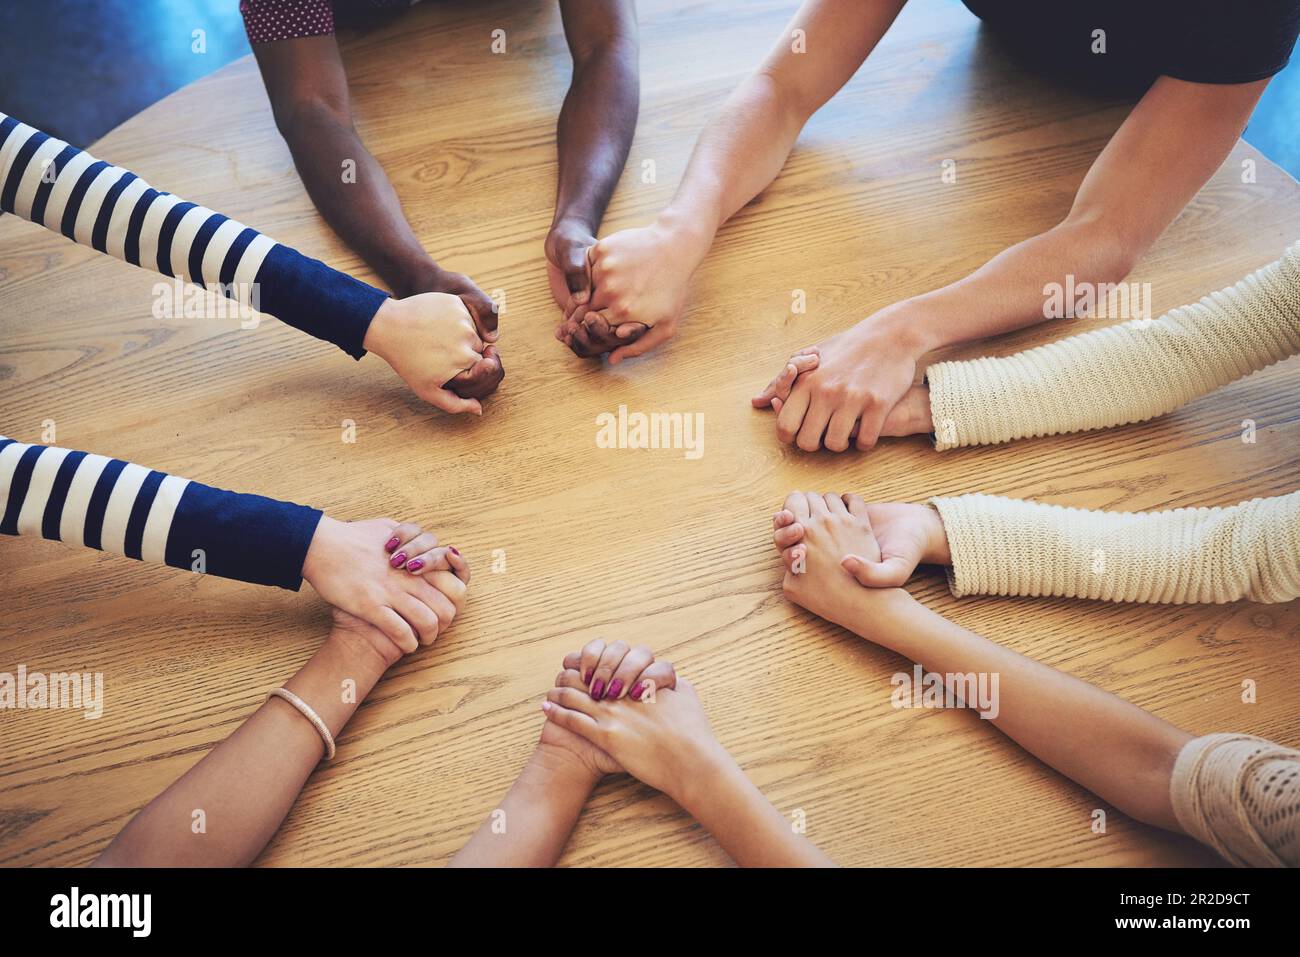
(115, 506)
(48, 182)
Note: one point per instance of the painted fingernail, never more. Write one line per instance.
(586, 679)
(546, 706)
(415, 564)
(636, 691)
(454, 550)
(392, 543)
(615, 687)
(598, 688)
(398, 560)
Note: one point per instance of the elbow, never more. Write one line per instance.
(618, 49)
(1107, 247)
(767, 91)
(300, 118)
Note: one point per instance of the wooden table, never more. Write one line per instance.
(642, 545)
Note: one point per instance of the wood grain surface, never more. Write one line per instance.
(642, 545)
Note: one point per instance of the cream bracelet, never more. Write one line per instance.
(307, 712)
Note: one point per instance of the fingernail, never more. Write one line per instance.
(586, 679)
(392, 543)
(615, 687)
(598, 688)
(415, 564)
(546, 706)
(398, 560)
(454, 550)
(636, 691)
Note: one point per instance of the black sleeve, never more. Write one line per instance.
(1230, 41)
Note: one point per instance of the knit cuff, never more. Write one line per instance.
(981, 563)
(1129, 372)
(1238, 794)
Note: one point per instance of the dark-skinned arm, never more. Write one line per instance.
(594, 134)
(308, 88)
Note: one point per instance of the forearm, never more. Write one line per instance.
(225, 809)
(354, 195)
(595, 130)
(1007, 292)
(739, 152)
(116, 506)
(536, 817)
(1163, 152)
(744, 822)
(48, 182)
(744, 146)
(1004, 546)
(1124, 373)
(1115, 749)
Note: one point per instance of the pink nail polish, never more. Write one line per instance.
(454, 550)
(635, 693)
(598, 689)
(586, 679)
(392, 543)
(398, 560)
(415, 564)
(615, 687)
(546, 706)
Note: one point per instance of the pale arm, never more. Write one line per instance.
(536, 817)
(1121, 753)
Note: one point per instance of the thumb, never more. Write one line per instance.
(451, 403)
(890, 573)
(576, 276)
(483, 310)
(656, 335)
(911, 415)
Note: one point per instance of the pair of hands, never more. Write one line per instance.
(625, 294)
(834, 545)
(622, 295)
(852, 388)
(395, 585)
(653, 727)
(441, 341)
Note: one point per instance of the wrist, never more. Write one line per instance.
(560, 770)
(701, 778)
(327, 530)
(876, 614)
(688, 232)
(409, 273)
(365, 655)
(911, 330)
(936, 551)
(383, 336)
(567, 223)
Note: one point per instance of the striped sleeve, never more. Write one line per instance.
(115, 506)
(52, 184)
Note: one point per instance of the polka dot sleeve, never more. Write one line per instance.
(270, 20)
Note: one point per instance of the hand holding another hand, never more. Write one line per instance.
(638, 284)
(634, 671)
(437, 345)
(348, 565)
(858, 384)
(666, 744)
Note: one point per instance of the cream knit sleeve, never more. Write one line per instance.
(1124, 373)
(1005, 546)
(1240, 795)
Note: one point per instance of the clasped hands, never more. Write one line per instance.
(623, 296)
